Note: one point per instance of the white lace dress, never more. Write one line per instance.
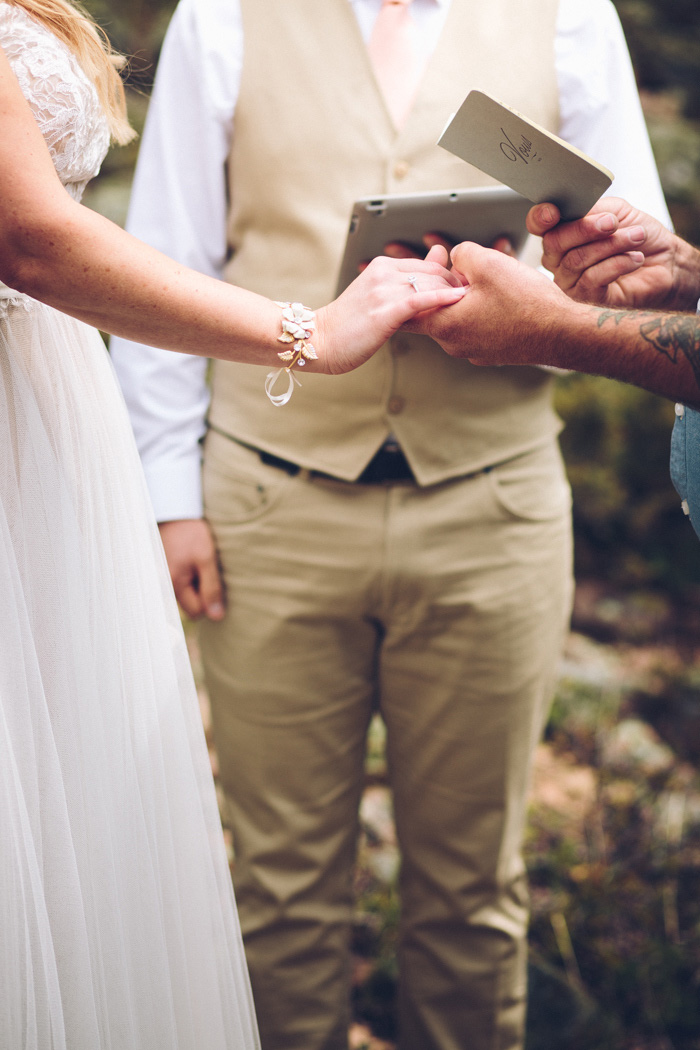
(117, 921)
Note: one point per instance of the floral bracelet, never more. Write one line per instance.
(298, 324)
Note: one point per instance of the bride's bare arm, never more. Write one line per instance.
(75, 260)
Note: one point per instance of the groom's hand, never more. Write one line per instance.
(194, 567)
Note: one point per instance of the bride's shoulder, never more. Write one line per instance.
(63, 100)
(19, 30)
(40, 60)
(16, 20)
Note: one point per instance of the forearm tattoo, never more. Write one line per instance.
(669, 334)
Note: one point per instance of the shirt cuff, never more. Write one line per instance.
(175, 487)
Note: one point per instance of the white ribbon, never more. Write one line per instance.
(272, 377)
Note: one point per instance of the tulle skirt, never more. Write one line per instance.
(118, 928)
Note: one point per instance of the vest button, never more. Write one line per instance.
(396, 405)
(401, 169)
(399, 345)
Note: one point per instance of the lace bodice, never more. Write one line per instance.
(63, 100)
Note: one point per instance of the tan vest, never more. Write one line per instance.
(311, 134)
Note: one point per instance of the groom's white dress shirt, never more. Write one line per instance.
(179, 201)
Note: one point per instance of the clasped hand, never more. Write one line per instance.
(615, 256)
(378, 303)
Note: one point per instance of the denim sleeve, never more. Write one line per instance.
(685, 462)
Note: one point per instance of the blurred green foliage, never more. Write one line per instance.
(136, 29)
(630, 529)
(664, 40)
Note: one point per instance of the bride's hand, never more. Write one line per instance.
(352, 327)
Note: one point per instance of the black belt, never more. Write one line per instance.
(388, 464)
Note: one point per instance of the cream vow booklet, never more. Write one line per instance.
(516, 151)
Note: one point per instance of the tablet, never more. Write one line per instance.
(479, 215)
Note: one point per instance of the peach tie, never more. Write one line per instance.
(395, 56)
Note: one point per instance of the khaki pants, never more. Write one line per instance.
(445, 609)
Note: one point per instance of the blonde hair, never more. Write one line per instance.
(91, 47)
